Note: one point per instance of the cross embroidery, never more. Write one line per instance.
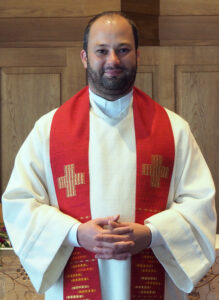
(155, 170)
(70, 180)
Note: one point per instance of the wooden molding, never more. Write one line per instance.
(173, 43)
(35, 57)
(189, 8)
(42, 29)
(55, 8)
(66, 30)
(189, 28)
(160, 22)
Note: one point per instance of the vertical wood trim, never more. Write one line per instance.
(74, 76)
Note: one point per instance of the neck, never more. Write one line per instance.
(110, 97)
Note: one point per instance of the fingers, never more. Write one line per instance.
(113, 248)
(115, 231)
(122, 230)
(107, 220)
(119, 251)
(112, 238)
(116, 218)
(112, 224)
(116, 224)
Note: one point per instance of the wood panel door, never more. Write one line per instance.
(186, 80)
(32, 82)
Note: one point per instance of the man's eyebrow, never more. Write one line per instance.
(125, 44)
(101, 45)
(119, 45)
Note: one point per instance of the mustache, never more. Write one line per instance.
(113, 68)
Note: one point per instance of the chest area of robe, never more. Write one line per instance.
(112, 163)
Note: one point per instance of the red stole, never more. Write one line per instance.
(69, 145)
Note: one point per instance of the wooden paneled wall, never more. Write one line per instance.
(160, 22)
(189, 22)
(33, 82)
(52, 23)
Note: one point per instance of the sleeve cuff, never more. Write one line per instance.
(156, 238)
(71, 239)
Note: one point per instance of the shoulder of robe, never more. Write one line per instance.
(43, 124)
(180, 127)
(39, 135)
(177, 120)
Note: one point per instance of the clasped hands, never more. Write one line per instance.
(110, 239)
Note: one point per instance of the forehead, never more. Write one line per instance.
(110, 29)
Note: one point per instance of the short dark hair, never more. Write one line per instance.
(109, 13)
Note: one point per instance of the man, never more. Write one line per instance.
(112, 175)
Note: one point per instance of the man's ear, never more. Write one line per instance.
(138, 56)
(84, 58)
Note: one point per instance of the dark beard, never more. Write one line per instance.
(114, 87)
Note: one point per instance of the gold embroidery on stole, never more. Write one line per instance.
(70, 180)
(155, 170)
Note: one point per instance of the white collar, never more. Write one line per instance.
(116, 109)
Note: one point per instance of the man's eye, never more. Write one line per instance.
(123, 50)
(101, 51)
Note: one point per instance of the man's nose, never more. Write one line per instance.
(112, 58)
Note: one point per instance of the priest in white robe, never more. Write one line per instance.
(182, 237)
